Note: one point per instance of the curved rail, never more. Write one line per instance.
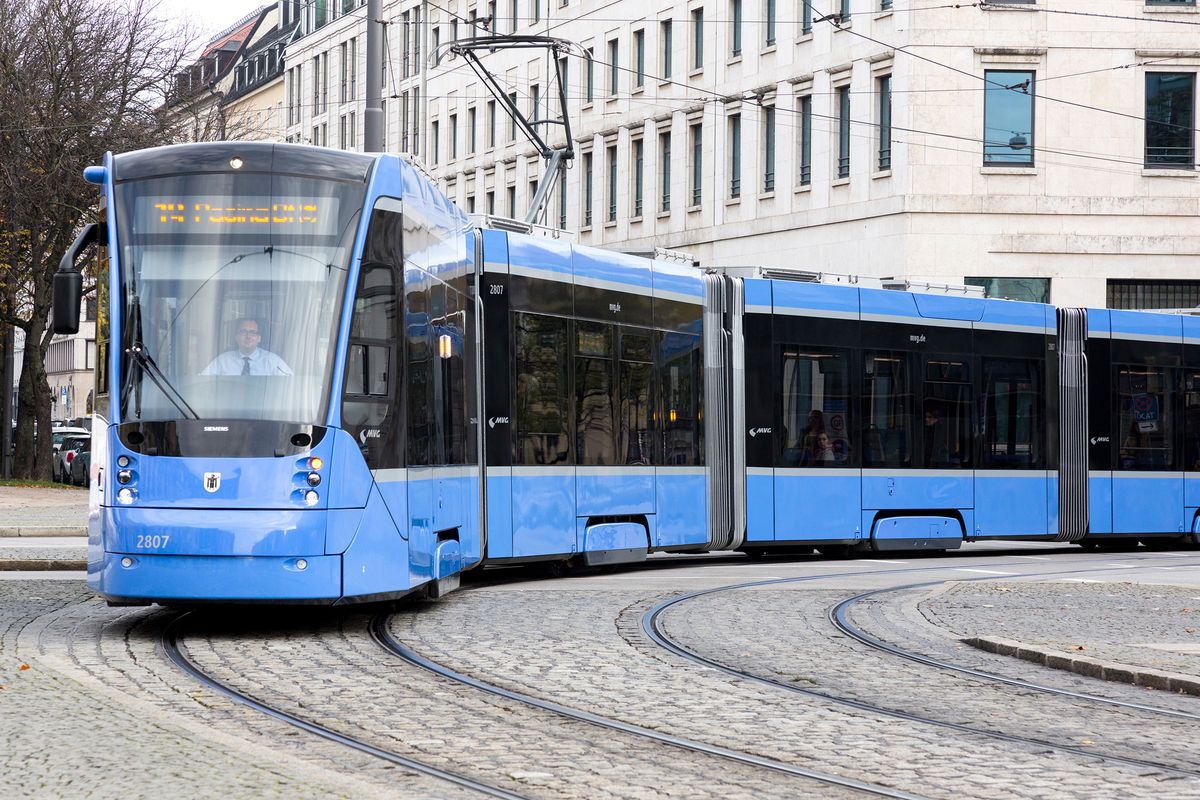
(651, 626)
(170, 644)
(383, 636)
(839, 616)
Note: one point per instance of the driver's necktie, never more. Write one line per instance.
(245, 365)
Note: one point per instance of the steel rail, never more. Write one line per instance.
(652, 627)
(385, 639)
(170, 644)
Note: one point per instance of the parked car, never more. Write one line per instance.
(57, 460)
(66, 454)
(81, 463)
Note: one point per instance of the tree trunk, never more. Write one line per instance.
(32, 458)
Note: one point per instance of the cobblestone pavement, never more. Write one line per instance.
(102, 713)
(1130, 623)
(561, 646)
(334, 674)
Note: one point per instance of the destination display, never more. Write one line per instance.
(314, 216)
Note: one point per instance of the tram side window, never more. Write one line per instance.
(635, 396)
(816, 408)
(1191, 420)
(542, 350)
(595, 417)
(1145, 420)
(947, 431)
(680, 380)
(417, 318)
(371, 404)
(888, 406)
(1012, 419)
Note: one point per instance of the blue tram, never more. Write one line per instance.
(319, 381)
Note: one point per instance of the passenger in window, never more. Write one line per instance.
(823, 452)
(248, 358)
(937, 451)
(814, 428)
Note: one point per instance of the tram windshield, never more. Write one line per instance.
(231, 288)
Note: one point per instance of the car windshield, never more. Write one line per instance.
(232, 285)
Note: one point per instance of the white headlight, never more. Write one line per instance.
(125, 496)
(311, 497)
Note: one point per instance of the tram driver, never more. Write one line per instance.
(248, 358)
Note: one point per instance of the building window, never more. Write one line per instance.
(735, 30)
(512, 202)
(491, 122)
(1170, 119)
(805, 140)
(1008, 118)
(343, 94)
(590, 83)
(433, 143)
(806, 17)
(614, 69)
(452, 136)
(1031, 290)
(768, 148)
(639, 158)
(664, 171)
(343, 137)
(735, 156)
(472, 141)
(697, 38)
(354, 69)
(535, 101)
(885, 5)
(696, 131)
(514, 19)
(537, 12)
(437, 40)
(843, 113)
(512, 118)
(1170, 2)
(639, 58)
(611, 154)
(770, 14)
(1153, 294)
(491, 202)
(844, 10)
(667, 38)
(885, 122)
(587, 190)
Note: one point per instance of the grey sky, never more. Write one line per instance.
(209, 16)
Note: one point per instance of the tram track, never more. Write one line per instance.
(652, 627)
(839, 616)
(171, 646)
(385, 639)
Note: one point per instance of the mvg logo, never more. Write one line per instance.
(917, 338)
(614, 307)
(1099, 439)
(494, 421)
(756, 431)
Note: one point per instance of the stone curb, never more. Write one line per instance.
(41, 564)
(30, 530)
(1091, 667)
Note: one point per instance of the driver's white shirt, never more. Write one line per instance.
(262, 362)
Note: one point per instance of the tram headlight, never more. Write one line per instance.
(124, 476)
(125, 496)
(311, 498)
(315, 463)
(236, 162)
(314, 479)
(123, 461)
(301, 564)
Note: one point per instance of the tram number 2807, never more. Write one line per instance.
(152, 541)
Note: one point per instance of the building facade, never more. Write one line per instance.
(1047, 155)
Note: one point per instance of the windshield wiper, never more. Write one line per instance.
(150, 369)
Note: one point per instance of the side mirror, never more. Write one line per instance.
(68, 297)
(68, 281)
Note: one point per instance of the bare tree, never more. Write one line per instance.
(77, 78)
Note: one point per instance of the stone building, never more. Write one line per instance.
(1047, 153)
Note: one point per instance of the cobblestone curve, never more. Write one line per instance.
(72, 725)
(338, 676)
(566, 646)
(785, 635)
(1157, 627)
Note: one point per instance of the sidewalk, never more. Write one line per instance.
(42, 528)
(1137, 633)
